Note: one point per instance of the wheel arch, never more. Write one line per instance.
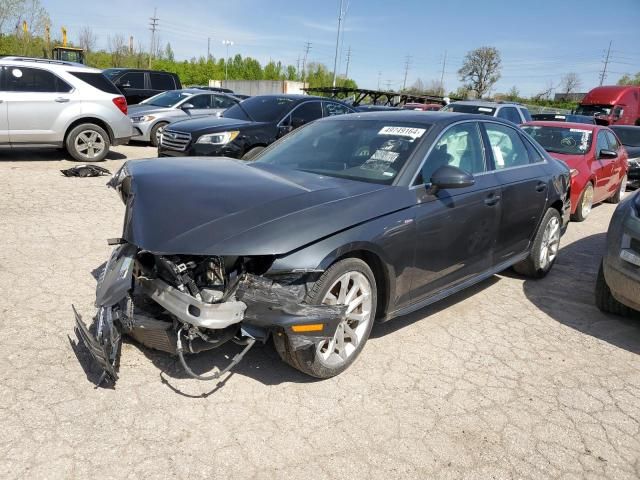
(97, 121)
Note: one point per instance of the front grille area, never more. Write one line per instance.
(175, 140)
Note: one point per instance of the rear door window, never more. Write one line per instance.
(97, 80)
(222, 101)
(162, 81)
(507, 146)
(133, 79)
(21, 79)
(200, 101)
(305, 113)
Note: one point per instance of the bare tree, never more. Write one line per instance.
(546, 93)
(118, 49)
(481, 69)
(434, 87)
(87, 39)
(35, 15)
(570, 83)
(10, 12)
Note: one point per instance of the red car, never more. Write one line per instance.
(427, 107)
(597, 160)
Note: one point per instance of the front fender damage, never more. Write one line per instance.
(162, 317)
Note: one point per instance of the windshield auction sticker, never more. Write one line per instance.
(403, 132)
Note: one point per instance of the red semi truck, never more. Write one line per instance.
(612, 105)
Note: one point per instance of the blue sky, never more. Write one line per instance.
(540, 40)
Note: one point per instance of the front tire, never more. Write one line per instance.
(347, 282)
(544, 250)
(156, 131)
(585, 204)
(88, 143)
(605, 301)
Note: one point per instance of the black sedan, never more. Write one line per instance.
(630, 137)
(344, 222)
(247, 128)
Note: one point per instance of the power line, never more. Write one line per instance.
(153, 25)
(603, 75)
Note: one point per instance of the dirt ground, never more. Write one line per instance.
(511, 379)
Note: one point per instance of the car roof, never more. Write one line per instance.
(631, 128)
(425, 117)
(125, 69)
(487, 103)
(53, 65)
(550, 123)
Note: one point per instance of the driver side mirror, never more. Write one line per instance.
(605, 153)
(187, 106)
(449, 176)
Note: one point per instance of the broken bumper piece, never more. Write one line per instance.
(103, 348)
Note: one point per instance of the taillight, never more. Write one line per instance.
(121, 103)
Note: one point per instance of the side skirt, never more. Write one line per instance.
(442, 294)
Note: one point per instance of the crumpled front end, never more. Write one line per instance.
(184, 304)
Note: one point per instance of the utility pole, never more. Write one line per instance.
(388, 85)
(603, 75)
(307, 47)
(228, 43)
(346, 73)
(130, 44)
(153, 25)
(298, 66)
(335, 58)
(208, 49)
(379, 77)
(444, 63)
(407, 63)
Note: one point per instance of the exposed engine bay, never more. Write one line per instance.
(185, 304)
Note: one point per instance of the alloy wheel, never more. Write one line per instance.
(550, 242)
(354, 290)
(90, 144)
(587, 200)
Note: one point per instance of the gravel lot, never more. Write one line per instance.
(512, 379)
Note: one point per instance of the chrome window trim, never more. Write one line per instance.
(412, 184)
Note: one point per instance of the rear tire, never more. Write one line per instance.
(544, 250)
(605, 300)
(155, 131)
(622, 187)
(323, 359)
(585, 203)
(88, 142)
(251, 154)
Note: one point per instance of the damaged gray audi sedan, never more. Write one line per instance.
(346, 221)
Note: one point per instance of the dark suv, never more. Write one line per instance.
(138, 85)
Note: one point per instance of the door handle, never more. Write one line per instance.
(492, 200)
(541, 187)
(61, 100)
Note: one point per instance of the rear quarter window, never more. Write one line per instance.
(97, 80)
(162, 81)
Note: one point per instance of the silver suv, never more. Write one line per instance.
(62, 104)
(153, 114)
(514, 112)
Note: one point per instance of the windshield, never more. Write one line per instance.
(366, 150)
(167, 99)
(570, 141)
(261, 109)
(592, 110)
(629, 136)
(466, 108)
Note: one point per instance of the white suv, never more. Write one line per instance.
(514, 112)
(62, 104)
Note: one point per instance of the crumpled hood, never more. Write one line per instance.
(221, 206)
